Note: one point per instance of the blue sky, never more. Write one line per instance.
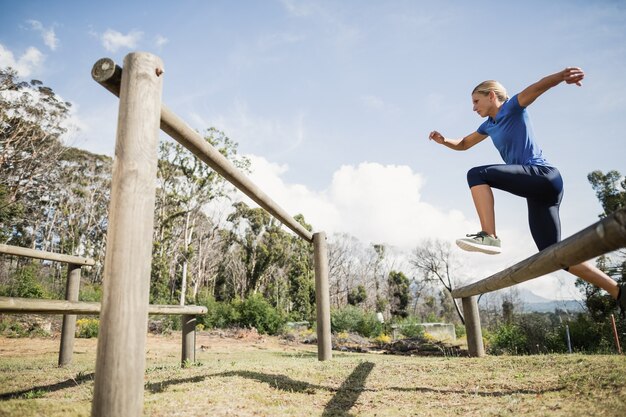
(334, 100)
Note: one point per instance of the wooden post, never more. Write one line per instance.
(120, 360)
(472, 327)
(69, 320)
(322, 297)
(615, 335)
(189, 339)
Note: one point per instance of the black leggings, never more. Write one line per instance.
(541, 186)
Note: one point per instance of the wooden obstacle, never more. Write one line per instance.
(605, 236)
(70, 307)
(120, 362)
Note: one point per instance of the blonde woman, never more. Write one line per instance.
(525, 172)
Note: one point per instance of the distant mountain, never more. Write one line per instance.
(532, 302)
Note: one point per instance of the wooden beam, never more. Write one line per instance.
(322, 297)
(48, 256)
(121, 354)
(605, 236)
(17, 305)
(109, 75)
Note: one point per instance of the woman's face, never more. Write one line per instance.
(483, 104)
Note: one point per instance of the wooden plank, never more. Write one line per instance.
(48, 256)
(17, 305)
(605, 236)
(108, 74)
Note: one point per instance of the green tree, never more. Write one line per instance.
(357, 295)
(610, 189)
(398, 285)
(185, 186)
(301, 276)
(32, 121)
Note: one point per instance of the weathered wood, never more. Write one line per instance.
(188, 353)
(108, 74)
(48, 256)
(68, 328)
(15, 305)
(322, 297)
(120, 360)
(473, 331)
(605, 236)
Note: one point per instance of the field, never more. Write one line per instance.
(266, 376)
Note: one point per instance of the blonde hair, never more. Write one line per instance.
(488, 86)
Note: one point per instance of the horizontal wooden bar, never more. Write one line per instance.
(605, 236)
(109, 75)
(39, 306)
(48, 256)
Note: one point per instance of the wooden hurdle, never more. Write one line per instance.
(605, 236)
(71, 307)
(74, 265)
(119, 389)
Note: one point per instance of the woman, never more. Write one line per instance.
(526, 172)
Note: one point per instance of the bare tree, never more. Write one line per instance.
(434, 260)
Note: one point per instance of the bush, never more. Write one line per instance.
(258, 313)
(87, 328)
(508, 339)
(26, 283)
(219, 314)
(411, 328)
(355, 320)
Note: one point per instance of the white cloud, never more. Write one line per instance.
(26, 64)
(383, 204)
(298, 8)
(373, 202)
(48, 35)
(113, 40)
(160, 41)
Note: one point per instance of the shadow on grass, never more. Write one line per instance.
(348, 393)
(40, 391)
(344, 399)
(476, 392)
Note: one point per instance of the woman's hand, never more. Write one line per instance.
(573, 75)
(437, 137)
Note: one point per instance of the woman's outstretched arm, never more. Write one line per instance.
(457, 144)
(570, 75)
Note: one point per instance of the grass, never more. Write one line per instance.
(268, 378)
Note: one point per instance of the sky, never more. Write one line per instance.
(333, 101)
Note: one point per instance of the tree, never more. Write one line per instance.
(185, 186)
(398, 285)
(33, 120)
(610, 189)
(434, 260)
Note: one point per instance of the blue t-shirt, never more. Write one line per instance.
(513, 136)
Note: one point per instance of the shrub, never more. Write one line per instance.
(26, 283)
(382, 339)
(508, 339)
(355, 320)
(219, 314)
(411, 328)
(87, 328)
(256, 312)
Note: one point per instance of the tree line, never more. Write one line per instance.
(207, 246)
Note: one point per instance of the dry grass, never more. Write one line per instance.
(267, 377)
